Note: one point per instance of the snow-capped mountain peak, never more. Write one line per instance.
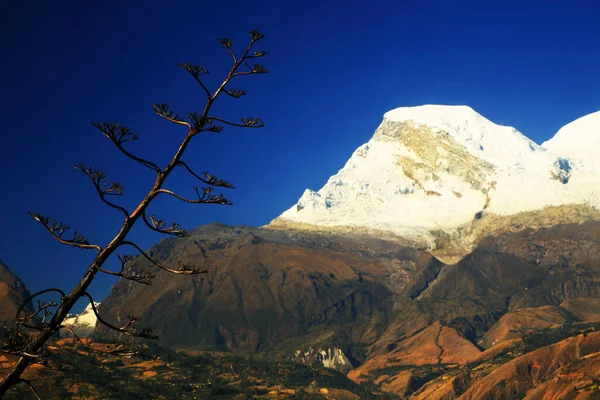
(483, 138)
(581, 136)
(436, 168)
(83, 324)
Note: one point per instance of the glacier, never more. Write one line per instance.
(436, 168)
(83, 324)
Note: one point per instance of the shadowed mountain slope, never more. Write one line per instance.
(13, 293)
(268, 288)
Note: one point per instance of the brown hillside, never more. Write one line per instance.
(577, 380)
(13, 293)
(513, 324)
(263, 287)
(448, 388)
(515, 378)
(400, 316)
(436, 344)
(584, 308)
(497, 350)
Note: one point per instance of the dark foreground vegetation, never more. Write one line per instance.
(158, 373)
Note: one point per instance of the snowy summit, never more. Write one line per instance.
(84, 323)
(435, 168)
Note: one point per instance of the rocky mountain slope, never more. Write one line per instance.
(380, 302)
(567, 369)
(13, 294)
(265, 287)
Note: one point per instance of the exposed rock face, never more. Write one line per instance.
(13, 294)
(333, 358)
(434, 154)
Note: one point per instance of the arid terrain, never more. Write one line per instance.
(343, 314)
(515, 318)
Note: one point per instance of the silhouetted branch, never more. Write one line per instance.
(258, 54)
(257, 68)
(249, 122)
(128, 272)
(196, 71)
(164, 111)
(160, 226)
(208, 178)
(202, 124)
(114, 189)
(58, 229)
(35, 393)
(42, 306)
(252, 70)
(118, 349)
(19, 353)
(29, 347)
(255, 35)
(185, 269)
(17, 344)
(127, 329)
(145, 278)
(227, 43)
(118, 135)
(205, 198)
(235, 93)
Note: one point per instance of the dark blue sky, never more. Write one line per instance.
(336, 68)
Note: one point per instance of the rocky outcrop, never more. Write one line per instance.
(437, 153)
(13, 294)
(333, 358)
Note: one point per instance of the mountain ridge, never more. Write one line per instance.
(388, 299)
(435, 169)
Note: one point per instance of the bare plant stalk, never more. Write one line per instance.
(29, 347)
